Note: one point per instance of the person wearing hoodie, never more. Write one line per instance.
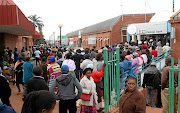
(66, 84)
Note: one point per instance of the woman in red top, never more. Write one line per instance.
(154, 52)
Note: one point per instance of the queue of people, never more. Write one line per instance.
(70, 75)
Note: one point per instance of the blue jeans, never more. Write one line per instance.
(79, 72)
(151, 92)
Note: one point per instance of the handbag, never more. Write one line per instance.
(85, 97)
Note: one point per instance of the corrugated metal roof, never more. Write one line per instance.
(102, 26)
(7, 2)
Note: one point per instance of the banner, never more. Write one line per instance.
(91, 40)
(64, 40)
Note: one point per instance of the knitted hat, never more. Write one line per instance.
(53, 59)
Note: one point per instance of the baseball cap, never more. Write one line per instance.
(64, 68)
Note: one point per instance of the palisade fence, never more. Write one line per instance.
(112, 85)
(111, 79)
(172, 90)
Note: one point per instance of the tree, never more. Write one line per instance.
(37, 23)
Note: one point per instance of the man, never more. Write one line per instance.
(27, 75)
(66, 91)
(53, 70)
(37, 55)
(37, 82)
(152, 81)
(165, 87)
(92, 54)
(59, 59)
(78, 57)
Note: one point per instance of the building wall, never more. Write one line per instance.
(13, 41)
(176, 46)
(110, 37)
(116, 31)
(101, 40)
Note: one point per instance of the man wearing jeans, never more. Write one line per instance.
(165, 87)
(152, 81)
(27, 75)
(78, 57)
(66, 84)
(37, 55)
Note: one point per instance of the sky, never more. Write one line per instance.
(77, 14)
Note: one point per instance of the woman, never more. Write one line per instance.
(132, 100)
(89, 87)
(135, 63)
(70, 63)
(44, 68)
(39, 102)
(154, 52)
(19, 72)
(159, 49)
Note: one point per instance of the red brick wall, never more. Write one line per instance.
(10, 41)
(13, 41)
(116, 31)
(176, 46)
(114, 35)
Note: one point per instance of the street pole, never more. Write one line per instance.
(60, 37)
(60, 25)
(173, 5)
(54, 38)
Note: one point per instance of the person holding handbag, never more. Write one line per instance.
(89, 89)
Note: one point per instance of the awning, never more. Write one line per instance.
(37, 35)
(148, 28)
(13, 21)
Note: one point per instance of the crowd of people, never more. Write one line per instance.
(68, 75)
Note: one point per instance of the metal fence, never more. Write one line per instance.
(172, 88)
(112, 81)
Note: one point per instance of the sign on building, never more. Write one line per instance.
(79, 36)
(173, 32)
(91, 40)
(148, 28)
(64, 40)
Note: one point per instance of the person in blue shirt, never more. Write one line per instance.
(15, 55)
(27, 75)
(125, 69)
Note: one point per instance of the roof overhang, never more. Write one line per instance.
(37, 35)
(13, 21)
(148, 28)
(15, 30)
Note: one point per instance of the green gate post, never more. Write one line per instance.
(117, 74)
(171, 87)
(106, 81)
(178, 86)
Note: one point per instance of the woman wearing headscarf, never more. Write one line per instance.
(132, 100)
(19, 72)
(159, 48)
(89, 87)
(70, 63)
(135, 62)
(97, 79)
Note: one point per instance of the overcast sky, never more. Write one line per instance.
(76, 14)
